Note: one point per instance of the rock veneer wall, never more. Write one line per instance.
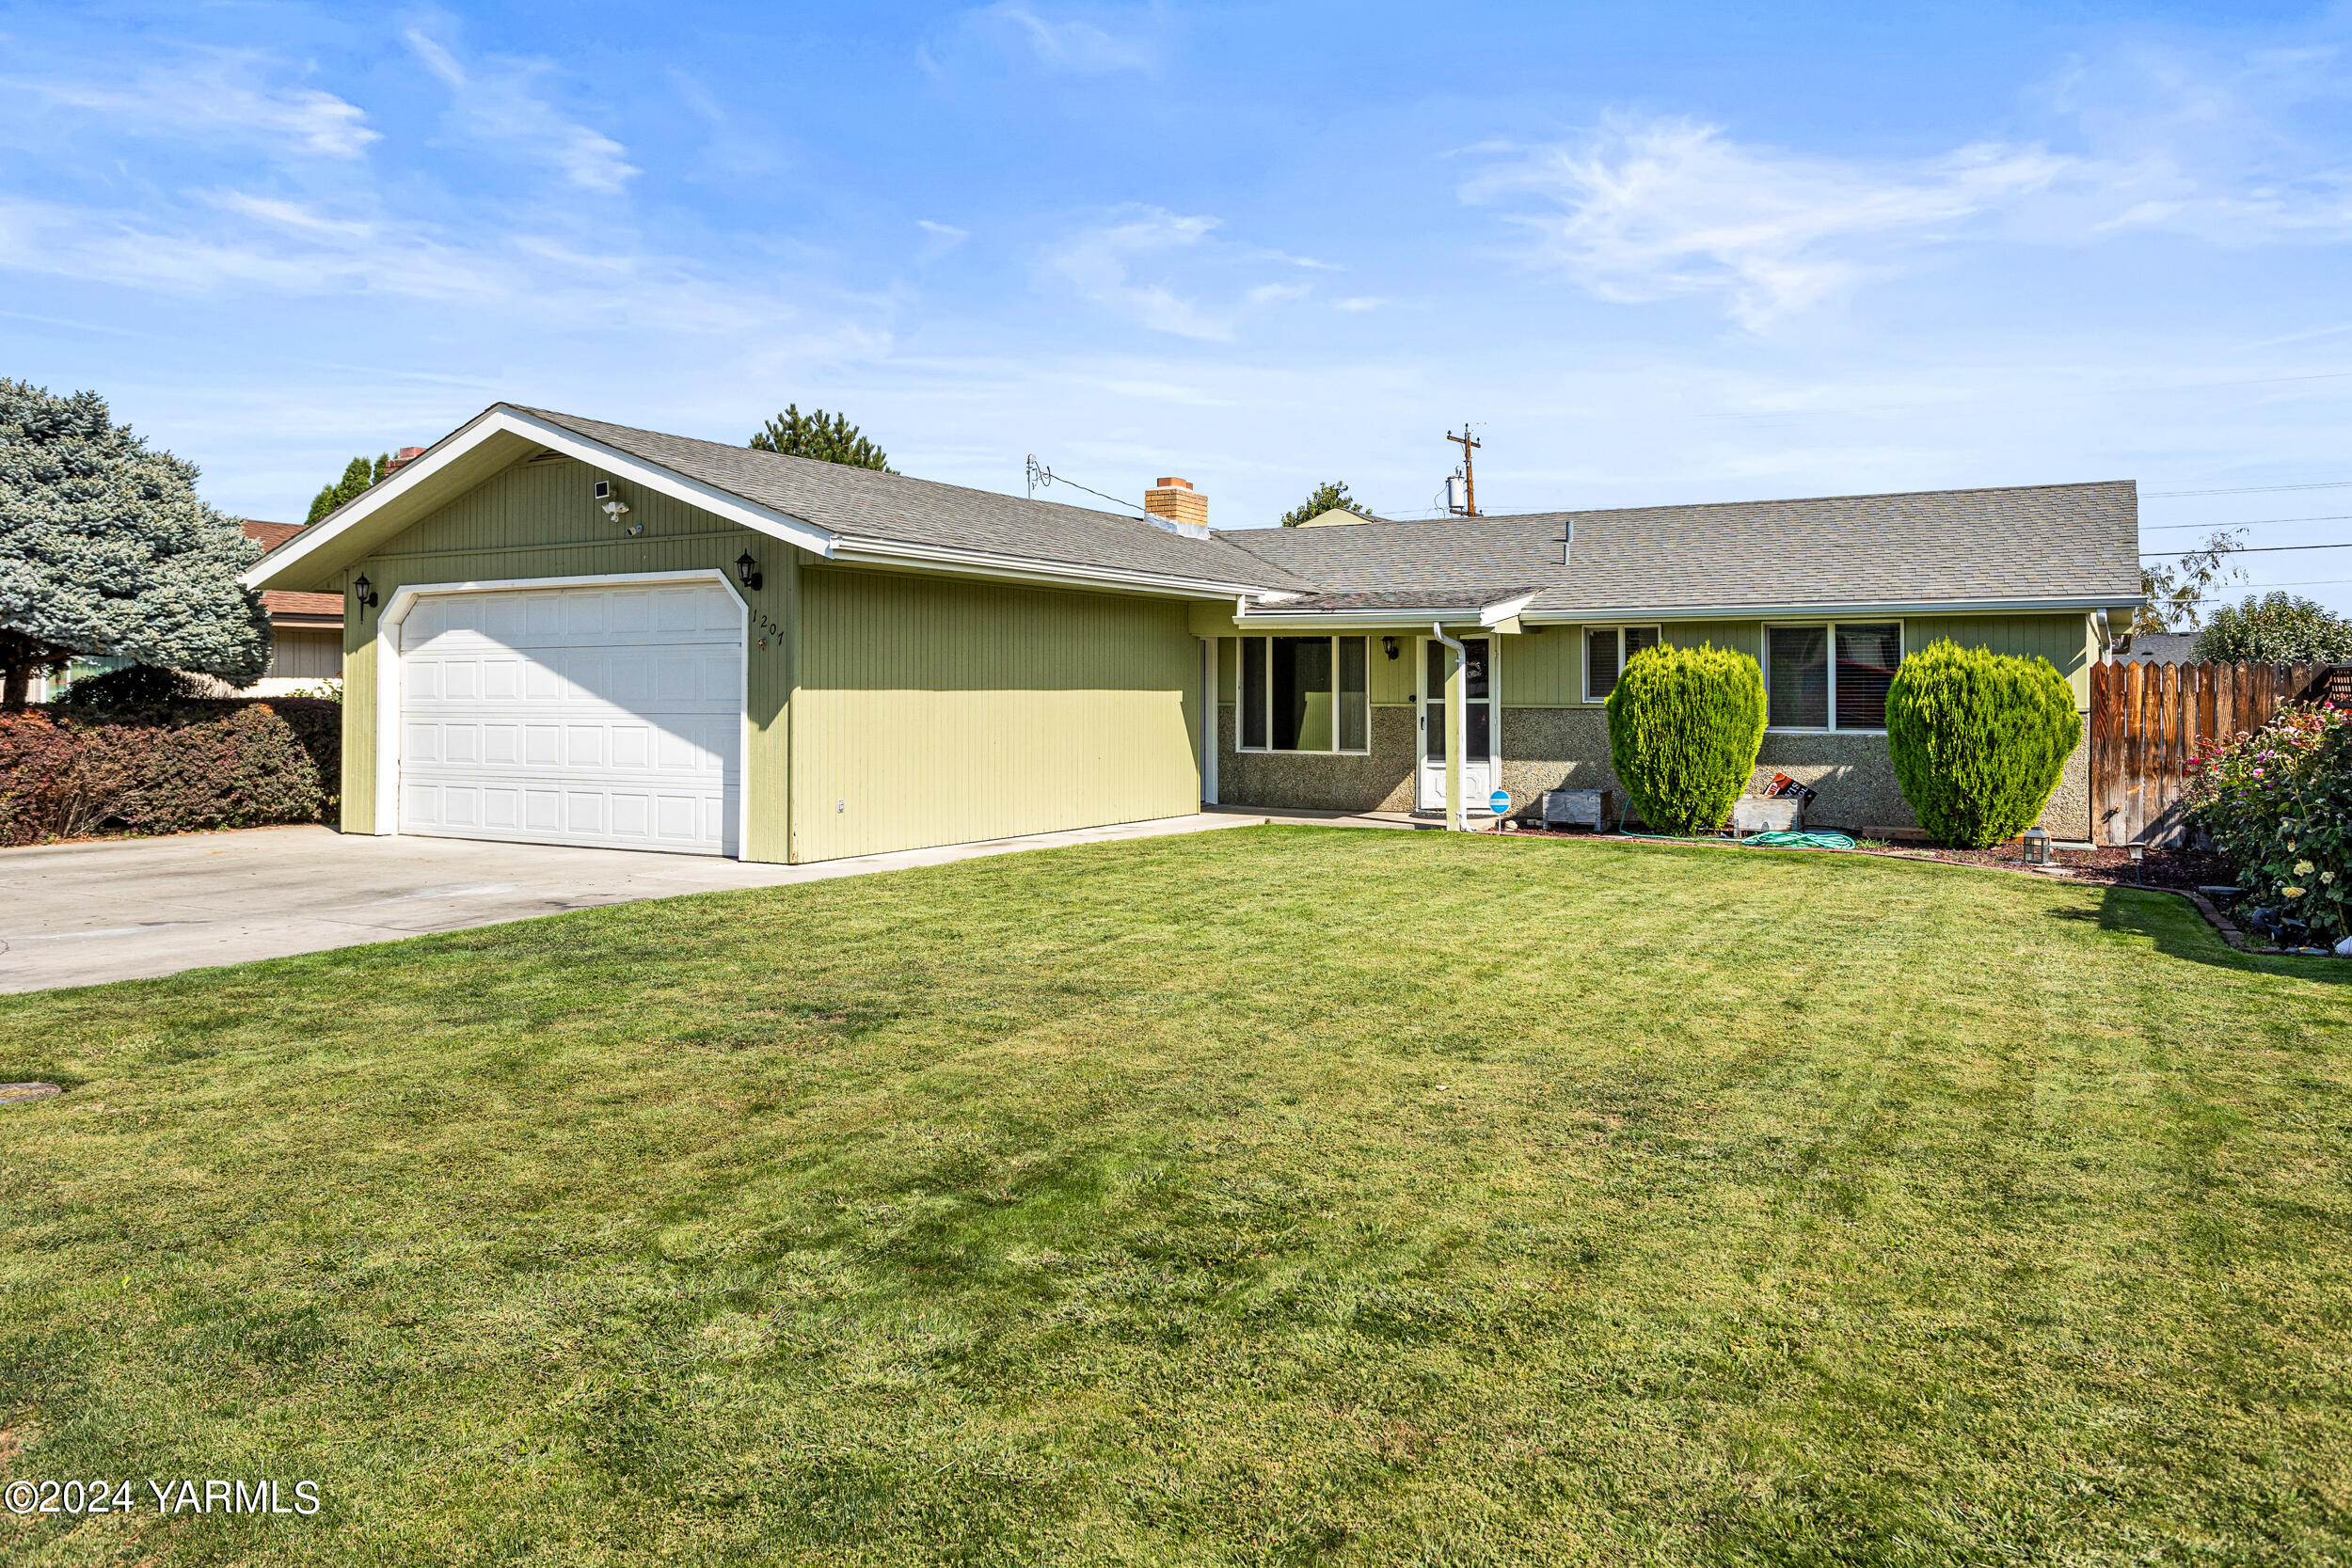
(1567, 748)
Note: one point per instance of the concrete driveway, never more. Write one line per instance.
(75, 914)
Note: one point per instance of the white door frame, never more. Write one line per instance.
(387, 652)
(1475, 801)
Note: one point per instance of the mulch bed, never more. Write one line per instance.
(2173, 868)
(2168, 868)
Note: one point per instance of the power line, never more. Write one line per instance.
(2250, 522)
(2255, 549)
(2256, 489)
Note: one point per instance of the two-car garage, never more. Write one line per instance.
(606, 714)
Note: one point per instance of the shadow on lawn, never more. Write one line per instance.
(2172, 922)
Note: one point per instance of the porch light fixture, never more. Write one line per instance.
(363, 591)
(2037, 847)
(747, 570)
(1388, 646)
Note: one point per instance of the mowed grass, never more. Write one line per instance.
(1261, 1197)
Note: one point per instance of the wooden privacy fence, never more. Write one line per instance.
(2148, 719)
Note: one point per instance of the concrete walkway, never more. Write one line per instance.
(76, 914)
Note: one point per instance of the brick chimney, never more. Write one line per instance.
(1175, 500)
(401, 458)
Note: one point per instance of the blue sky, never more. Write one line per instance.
(1654, 253)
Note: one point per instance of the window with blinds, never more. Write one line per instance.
(1606, 651)
(1305, 694)
(1831, 676)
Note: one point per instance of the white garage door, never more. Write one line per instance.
(596, 716)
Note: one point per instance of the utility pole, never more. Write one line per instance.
(1470, 475)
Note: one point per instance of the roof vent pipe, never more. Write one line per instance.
(1567, 540)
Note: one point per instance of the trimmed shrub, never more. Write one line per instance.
(1685, 725)
(139, 686)
(72, 771)
(1979, 739)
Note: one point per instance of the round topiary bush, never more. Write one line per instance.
(1684, 727)
(1978, 741)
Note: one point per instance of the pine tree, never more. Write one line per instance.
(826, 438)
(105, 550)
(357, 475)
(1332, 496)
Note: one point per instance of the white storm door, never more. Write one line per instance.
(1478, 726)
(607, 716)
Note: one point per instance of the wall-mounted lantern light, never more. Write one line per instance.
(363, 591)
(2037, 847)
(747, 570)
(1388, 646)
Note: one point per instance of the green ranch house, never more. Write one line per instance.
(560, 630)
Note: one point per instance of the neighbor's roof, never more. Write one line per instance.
(866, 503)
(2079, 543)
(284, 603)
(2161, 647)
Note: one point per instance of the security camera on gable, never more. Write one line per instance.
(613, 507)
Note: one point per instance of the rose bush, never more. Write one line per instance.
(2278, 803)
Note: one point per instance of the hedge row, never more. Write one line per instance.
(70, 773)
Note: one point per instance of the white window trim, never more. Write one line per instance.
(1902, 650)
(1241, 688)
(1584, 652)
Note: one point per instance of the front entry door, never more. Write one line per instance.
(1478, 727)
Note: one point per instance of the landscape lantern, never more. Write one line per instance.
(2138, 851)
(2037, 847)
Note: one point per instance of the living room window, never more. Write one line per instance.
(1305, 694)
(1831, 676)
(1606, 649)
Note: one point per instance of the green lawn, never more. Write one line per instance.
(1264, 1196)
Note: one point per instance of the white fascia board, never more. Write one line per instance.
(933, 557)
(1503, 610)
(1400, 620)
(1650, 614)
(499, 420)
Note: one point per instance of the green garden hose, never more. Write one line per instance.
(1798, 841)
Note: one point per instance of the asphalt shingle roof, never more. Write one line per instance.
(866, 503)
(2047, 541)
(2078, 542)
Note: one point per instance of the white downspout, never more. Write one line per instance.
(1457, 727)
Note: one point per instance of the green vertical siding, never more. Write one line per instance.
(933, 710)
(540, 520)
(1548, 670)
(358, 722)
(2065, 641)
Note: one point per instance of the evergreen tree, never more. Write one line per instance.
(2275, 629)
(1332, 496)
(826, 438)
(105, 550)
(357, 475)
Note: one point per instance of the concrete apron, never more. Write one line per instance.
(79, 914)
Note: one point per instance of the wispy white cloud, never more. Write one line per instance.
(498, 105)
(1072, 44)
(939, 238)
(1359, 303)
(1100, 262)
(215, 95)
(1648, 209)
(1130, 267)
